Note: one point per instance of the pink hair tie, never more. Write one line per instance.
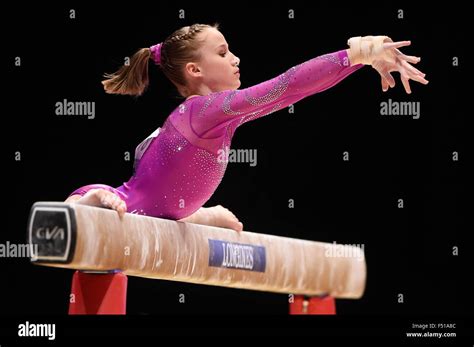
(156, 53)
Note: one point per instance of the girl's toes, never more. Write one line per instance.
(237, 226)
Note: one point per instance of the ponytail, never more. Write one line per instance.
(181, 47)
(130, 79)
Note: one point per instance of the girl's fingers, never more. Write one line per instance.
(384, 84)
(410, 58)
(401, 64)
(390, 45)
(388, 76)
(412, 69)
(406, 84)
(418, 78)
(408, 72)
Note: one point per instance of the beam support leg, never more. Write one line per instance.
(313, 305)
(103, 292)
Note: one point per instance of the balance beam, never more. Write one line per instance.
(88, 238)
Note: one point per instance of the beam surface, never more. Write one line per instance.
(89, 238)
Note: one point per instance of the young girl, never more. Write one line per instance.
(178, 167)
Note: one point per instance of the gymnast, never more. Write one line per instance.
(177, 168)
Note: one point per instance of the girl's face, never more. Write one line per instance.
(218, 66)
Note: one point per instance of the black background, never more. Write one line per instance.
(408, 251)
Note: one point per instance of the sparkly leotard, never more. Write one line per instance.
(180, 165)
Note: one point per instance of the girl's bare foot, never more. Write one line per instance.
(217, 216)
(226, 219)
(102, 198)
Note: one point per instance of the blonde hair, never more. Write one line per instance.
(178, 49)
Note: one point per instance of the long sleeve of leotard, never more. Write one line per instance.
(213, 115)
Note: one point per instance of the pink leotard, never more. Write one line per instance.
(179, 166)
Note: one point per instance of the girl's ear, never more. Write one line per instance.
(193, 70)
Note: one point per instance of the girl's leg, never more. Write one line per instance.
(217, 216)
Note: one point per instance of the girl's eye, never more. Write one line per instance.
(223, 54)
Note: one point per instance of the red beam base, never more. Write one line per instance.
(312, 305)
(98, 293)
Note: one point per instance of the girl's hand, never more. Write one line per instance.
(394, 60)
(103, 198)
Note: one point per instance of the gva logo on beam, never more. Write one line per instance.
(50, 234)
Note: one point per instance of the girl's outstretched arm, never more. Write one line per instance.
(215, 112)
